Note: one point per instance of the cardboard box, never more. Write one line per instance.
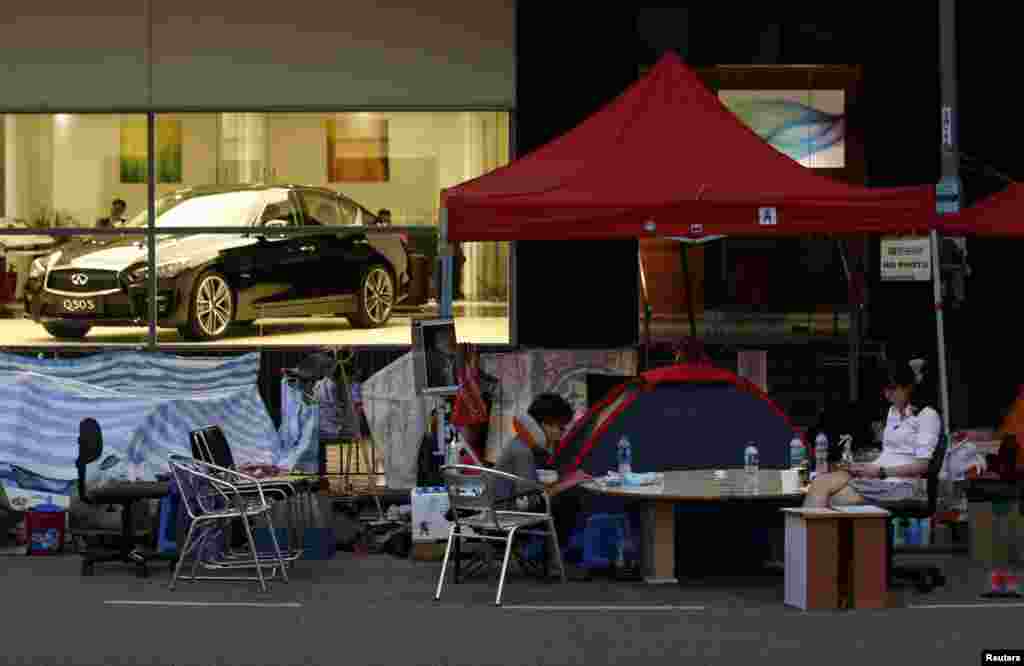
(428, 552)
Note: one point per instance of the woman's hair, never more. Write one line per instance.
(922, 385)
(901, 374)
(548, 407)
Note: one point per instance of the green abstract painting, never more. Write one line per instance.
(133, 150)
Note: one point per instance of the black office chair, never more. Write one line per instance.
(210, 445)
(926, 578)
(126, 494)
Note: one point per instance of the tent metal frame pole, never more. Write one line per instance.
(444, 253)
(688, 283)
(950, 185)
(647, 310)
(941, 332)
(853, 363)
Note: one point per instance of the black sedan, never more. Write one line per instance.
(206, 282)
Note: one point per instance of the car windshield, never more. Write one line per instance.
(223, 209)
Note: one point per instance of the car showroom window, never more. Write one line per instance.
(321, 209)
(70, 184)
(323, 284)
(279, 211)
(351, 213)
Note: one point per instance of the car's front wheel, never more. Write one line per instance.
(375, 299)
(211, 308)
(67, 331)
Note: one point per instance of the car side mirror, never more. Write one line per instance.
(266, 231)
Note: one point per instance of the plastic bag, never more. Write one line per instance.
(960, 458)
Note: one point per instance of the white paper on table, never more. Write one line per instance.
(809, 511)
(790, 481)
(862, 509)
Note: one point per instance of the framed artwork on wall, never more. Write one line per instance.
(357, 148)
(134, 147)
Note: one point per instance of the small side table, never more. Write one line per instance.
(836, 559)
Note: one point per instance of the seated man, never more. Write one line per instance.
(537, 433)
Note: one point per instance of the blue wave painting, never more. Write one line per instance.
(146, 404)
(793, 128)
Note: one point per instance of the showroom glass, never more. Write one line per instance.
(293, 278)
(61, 176)
(230, 209)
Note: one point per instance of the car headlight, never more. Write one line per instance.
(164, 271)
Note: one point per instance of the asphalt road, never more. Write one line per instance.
(378, 610)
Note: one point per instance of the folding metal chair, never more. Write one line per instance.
(476, 507)
(214, 496)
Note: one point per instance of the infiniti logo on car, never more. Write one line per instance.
(79, 279)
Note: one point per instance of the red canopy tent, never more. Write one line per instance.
(668, 159)
(1002, 214)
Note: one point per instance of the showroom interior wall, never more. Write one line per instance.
(427, 151)
(44, 149)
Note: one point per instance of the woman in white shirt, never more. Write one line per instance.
(908, 441)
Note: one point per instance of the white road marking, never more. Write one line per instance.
(607, 609)
(241, 604)
(993, 604)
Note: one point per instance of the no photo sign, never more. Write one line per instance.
(906, 260)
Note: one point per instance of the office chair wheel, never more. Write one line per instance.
(87, 569)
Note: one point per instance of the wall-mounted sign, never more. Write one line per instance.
(906, 259)
(767, 217)
(947, 127)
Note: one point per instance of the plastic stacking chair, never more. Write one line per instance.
(215, 496)
(476, 515)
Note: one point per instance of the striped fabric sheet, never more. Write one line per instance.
(145, 373)
(146, 405)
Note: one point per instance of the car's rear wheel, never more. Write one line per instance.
(67, 331)
(211, 308)
(375, 299)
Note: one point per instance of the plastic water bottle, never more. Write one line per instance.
(847, 441)
(453, 452)
(796, 452)
(751, 460)
(821, 454)
(625, 456)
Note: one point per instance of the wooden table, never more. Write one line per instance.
(695, 486)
